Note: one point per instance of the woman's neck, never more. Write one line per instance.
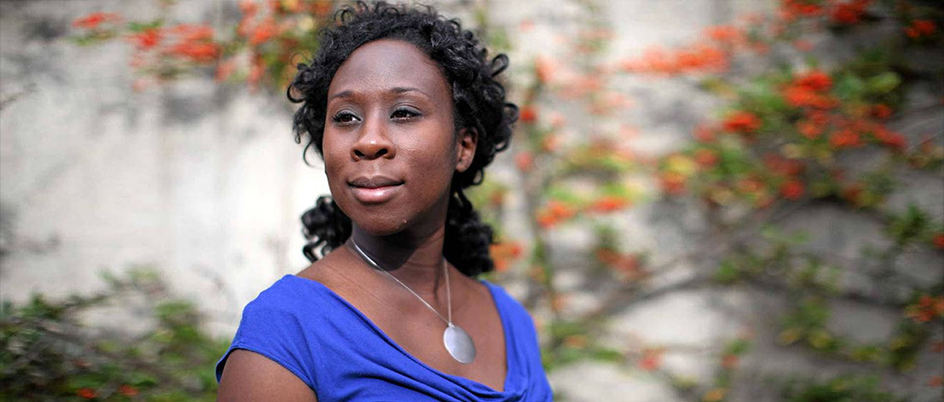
(417, 261)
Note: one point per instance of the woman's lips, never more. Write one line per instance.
(374, 190)
(375, 195)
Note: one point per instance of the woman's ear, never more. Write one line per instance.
(466, 143)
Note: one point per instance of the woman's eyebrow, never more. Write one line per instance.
(342, 94)
(400, 90)
(395, 90)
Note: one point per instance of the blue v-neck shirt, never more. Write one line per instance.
(343, 356)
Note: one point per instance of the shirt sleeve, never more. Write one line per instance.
(276, 333)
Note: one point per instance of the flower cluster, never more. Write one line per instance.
(504, 254)
(921, 29)
(266, 37)
(842, 12)
(810, 90)
(96, 21)
(926, 309)
(554, 212)
(814, 121)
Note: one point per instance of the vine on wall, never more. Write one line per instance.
(792, 134)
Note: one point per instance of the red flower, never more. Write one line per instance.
(263, 33)
(742, 122)
(146, 39)
(693, 59)
(560, 209)
(529, 114)
(925, 27)
(805, 95)
(672, 183)
(701, 58)
(809, 129)
(936, 381)
(792, 189)
(927, 308)
(726, 34)
(938, 240)
(651, 360)
(504, 254)
(127, 390)
(92, 21)
(845, 139)
(545, 220)
(193, 33)
(793, 9)
(814, 80)
(197, 52)
(849, 12)
(525, 161)
(608, 204)
(920, 28)
(890, 138)
(555, 211)
(87, 393)
(881, 111)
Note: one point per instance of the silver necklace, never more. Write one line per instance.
(457, 342)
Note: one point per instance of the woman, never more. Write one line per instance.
(404, 108)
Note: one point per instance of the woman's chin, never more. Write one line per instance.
(381, 227)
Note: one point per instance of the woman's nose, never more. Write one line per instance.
(373, 142)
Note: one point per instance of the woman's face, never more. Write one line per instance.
(390, 148)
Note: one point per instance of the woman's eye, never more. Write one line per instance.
(404, 114)
(344, 117)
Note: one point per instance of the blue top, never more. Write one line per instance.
(339, 353)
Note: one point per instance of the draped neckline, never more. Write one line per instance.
(511, 364)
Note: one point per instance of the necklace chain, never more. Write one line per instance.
(445, 270)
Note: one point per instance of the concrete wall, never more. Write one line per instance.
(201, 182)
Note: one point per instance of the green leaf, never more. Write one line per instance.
(884, 82)
(727, 273)
(138, 26)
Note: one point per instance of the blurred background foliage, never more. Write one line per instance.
(46, 353)
(788, 132)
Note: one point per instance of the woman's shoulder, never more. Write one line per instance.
(510, 308)
(305, 289)
(503, 299)
(274, 325)
(287, 294)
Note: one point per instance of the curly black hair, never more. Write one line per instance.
(478, 104)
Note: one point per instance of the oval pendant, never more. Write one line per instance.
(459, 344)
